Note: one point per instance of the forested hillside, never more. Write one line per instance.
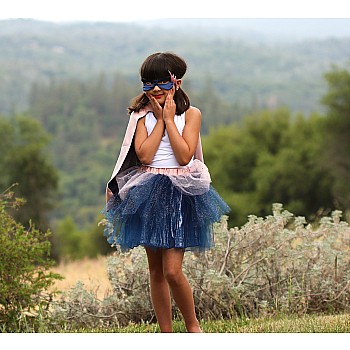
(247, 72)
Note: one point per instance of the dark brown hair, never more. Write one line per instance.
(157, 66)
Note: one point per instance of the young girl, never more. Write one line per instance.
(159, 195)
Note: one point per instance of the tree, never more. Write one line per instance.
(71, 243)
(25, 162)
(337, 133)
(270, 158)
(295, 175)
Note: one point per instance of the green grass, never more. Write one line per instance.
(275, 324)
(278, 324)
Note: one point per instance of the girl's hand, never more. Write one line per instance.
(157, 108)
(169, 106)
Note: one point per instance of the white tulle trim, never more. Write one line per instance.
(194, 180)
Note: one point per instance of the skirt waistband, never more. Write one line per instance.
(165, 171)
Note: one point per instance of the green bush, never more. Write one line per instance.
(276, 264)
(25, 275)
(71, 243)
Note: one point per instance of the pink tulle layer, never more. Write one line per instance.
(194, 180)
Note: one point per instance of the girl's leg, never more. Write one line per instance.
(160, 293)
(180, 288)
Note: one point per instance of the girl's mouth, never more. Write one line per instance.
(157, 96)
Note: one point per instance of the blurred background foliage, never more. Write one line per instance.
(275, 120)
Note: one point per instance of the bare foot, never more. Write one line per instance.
(194, 329)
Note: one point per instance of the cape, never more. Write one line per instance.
(127, 157)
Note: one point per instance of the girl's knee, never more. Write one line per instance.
(173, 276)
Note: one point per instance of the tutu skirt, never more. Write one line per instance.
(164, 208)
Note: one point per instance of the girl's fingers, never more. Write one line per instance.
(171, 94)
(157, 108)
(153, 101)
(172, 91)
(170, 106)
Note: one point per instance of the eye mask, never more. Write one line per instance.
(164, 83)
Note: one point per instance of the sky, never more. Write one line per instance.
(133, 10)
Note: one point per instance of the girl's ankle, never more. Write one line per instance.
(195, 328)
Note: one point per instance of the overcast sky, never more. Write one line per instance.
(131, 10)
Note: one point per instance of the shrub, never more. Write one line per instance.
(274, 264)
(24, 269)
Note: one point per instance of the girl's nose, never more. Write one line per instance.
(156, 88)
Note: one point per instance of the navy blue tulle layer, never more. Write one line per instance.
(157, 214)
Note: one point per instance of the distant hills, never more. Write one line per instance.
(263, 29)
(260, 62)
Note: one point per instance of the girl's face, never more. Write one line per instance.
(159, 94)
(160, 89)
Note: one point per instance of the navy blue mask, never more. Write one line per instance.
(164, 83)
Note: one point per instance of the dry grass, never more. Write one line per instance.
(91, 272)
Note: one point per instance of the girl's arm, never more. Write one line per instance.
(184, 146)
(147, 146)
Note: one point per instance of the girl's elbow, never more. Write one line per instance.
(183, 161)
(145, 160)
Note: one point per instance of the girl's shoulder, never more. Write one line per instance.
(193, 109)
(193, 112)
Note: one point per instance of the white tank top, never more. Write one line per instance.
(165, 157)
